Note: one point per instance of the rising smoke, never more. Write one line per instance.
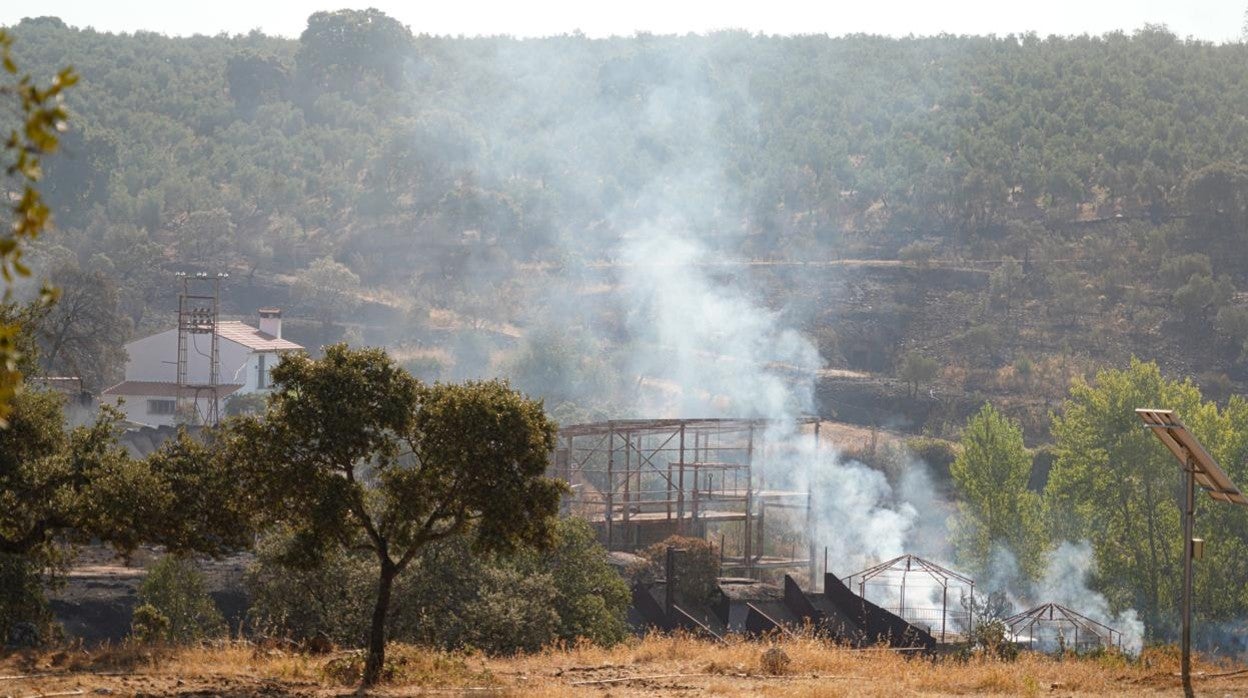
(646, 314)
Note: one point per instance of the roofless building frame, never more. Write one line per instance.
(639, 481)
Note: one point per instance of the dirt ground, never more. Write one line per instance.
(661, 666)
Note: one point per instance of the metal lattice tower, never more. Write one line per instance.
(198, 314)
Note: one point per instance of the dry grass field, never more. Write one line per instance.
(651, 666)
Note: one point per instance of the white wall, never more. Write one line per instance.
(253, 373)
(155, 358)
(135, 407)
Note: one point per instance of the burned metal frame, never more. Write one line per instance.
(905, 565)
(1058, 617)
(638, 481)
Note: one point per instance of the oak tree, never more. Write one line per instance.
(356, 453)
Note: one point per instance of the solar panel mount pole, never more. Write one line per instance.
(1189, 520)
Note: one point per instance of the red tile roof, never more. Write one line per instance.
(253, 338)
(161, 389)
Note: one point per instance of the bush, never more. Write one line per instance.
(148, 624)
(174, 605)
(937, 453)
(918, 252)
(697, 568)
(453, 599)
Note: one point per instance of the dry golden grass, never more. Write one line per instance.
(654, 665)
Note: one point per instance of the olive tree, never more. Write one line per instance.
(355, 453)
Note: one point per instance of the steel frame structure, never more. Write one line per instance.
(895, 572)
(1053, 618)
(638, 481)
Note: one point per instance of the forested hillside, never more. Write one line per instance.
(973, 215)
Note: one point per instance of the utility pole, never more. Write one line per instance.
(1199, 468)
(199, 314)
(1189, 522)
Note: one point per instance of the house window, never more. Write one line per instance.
(262, 378)
(161, 406)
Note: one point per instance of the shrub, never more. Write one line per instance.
(454, 599)
(918, 252)
(174, 590)
(697, 568)
(148, 624)
(937, 453)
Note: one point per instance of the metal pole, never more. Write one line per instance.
(1189, 520)
(610, 487)
(628, 477)
(970, 615)
(669, 583)
(944, 610)
(680, 485)
(749, 496)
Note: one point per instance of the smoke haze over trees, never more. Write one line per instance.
(661, 225)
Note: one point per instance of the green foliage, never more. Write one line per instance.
(561, 365)
(327, 290)
(148, 625)
(981, 341)
(917, 370)
(1071, 297)
(340, 47)
(996, 508)
(56, 483)
(991, 637)
(199, 499)
(697, 567)
(1114, 486)
(938, 454)
(174, 605)
(1203, 296)
(355, 453)
(22, 599)
(1232, 324)
(453, 598)
(1175, 271)
(250, 403)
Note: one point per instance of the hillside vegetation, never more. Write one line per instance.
(887, 232)
(1052, 204)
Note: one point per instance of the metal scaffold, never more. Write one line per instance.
(640, 481)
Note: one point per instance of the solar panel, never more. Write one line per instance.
(1167, 427)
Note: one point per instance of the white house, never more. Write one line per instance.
(149, 394)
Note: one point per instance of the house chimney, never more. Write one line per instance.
(271, 321)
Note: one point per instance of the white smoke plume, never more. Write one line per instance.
(1065, 581)
(652, 293)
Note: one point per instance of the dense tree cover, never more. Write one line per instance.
(412, 158)
(1118, 488)
(1115, 486)
(354, 453)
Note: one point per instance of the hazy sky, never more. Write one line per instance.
(1214, 20)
